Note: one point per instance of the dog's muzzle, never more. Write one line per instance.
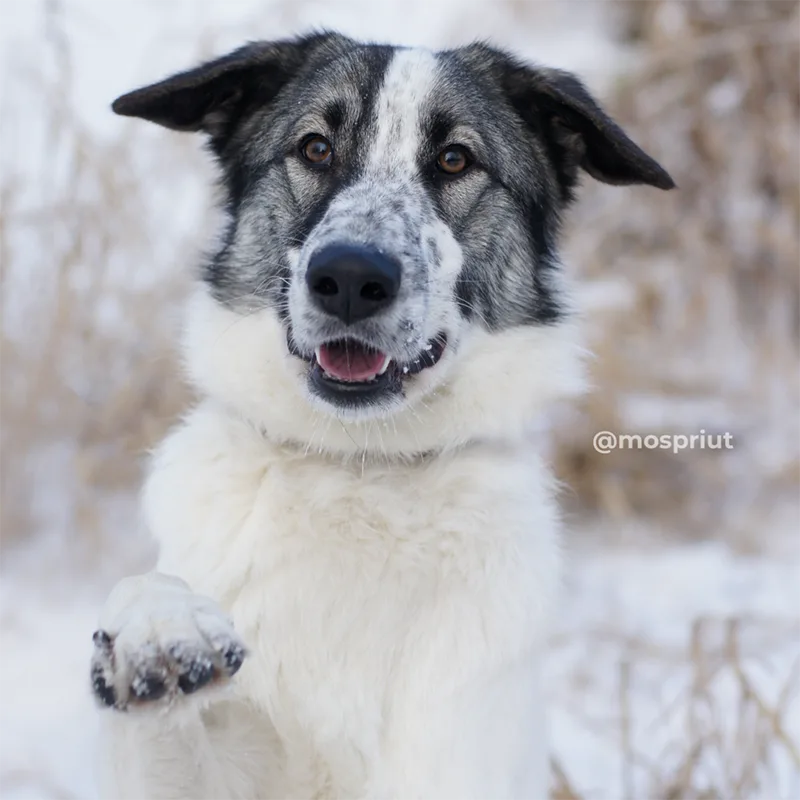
(356, 288)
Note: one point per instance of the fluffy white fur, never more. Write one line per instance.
(391, 578)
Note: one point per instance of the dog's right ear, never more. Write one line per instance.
(215, 96)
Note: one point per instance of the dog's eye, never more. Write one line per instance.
(317, 150)
(453, 160)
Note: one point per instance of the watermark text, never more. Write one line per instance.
(606, 441)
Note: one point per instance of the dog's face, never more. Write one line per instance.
(392, 227)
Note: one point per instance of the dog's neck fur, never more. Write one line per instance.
(492, 392)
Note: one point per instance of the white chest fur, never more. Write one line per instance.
(362, 590)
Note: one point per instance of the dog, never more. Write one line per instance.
(359, 547)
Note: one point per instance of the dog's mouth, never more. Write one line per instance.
(348, 361)
(350, 370)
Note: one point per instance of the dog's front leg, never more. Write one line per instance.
(161, 654)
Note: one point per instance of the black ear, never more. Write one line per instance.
(577, 131)
(216, 95)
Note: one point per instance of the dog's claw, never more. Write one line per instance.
(233, 656)
(196, 669)
(102, 641)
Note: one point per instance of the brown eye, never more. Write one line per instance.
(317, 150)
(453, 160)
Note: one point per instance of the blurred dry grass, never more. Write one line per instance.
(79, 395)
(695, 296)
(717, 720)
(90, 285)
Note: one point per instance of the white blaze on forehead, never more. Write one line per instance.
(408, 82)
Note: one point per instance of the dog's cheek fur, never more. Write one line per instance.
(444, 257)
(487, 388)
(250, 265)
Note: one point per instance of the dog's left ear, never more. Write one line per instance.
(578, 133)
(214, 97)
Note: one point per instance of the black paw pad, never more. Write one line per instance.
(195, 673)
(102, 691)
(233, 657)
(149, 686)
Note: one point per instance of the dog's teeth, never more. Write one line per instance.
(316, 353)
(405, 370)
(386, 362)
(429, 346)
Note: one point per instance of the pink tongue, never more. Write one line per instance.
(350, 361)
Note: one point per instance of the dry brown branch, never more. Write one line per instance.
(773, 715)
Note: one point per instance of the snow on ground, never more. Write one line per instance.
(620, 607)
(654, 624)
(46, 719)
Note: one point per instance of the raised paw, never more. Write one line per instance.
(158, 641)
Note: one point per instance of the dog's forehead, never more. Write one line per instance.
(382, 87)
(407, 90)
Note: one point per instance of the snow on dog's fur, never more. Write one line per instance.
(358, 547)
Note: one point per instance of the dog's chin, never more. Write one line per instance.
(358, 381)
(358, 399)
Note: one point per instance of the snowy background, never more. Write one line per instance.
(676, 661)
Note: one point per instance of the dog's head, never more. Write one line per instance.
(388, 275)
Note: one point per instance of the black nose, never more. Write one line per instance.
(352, 282)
